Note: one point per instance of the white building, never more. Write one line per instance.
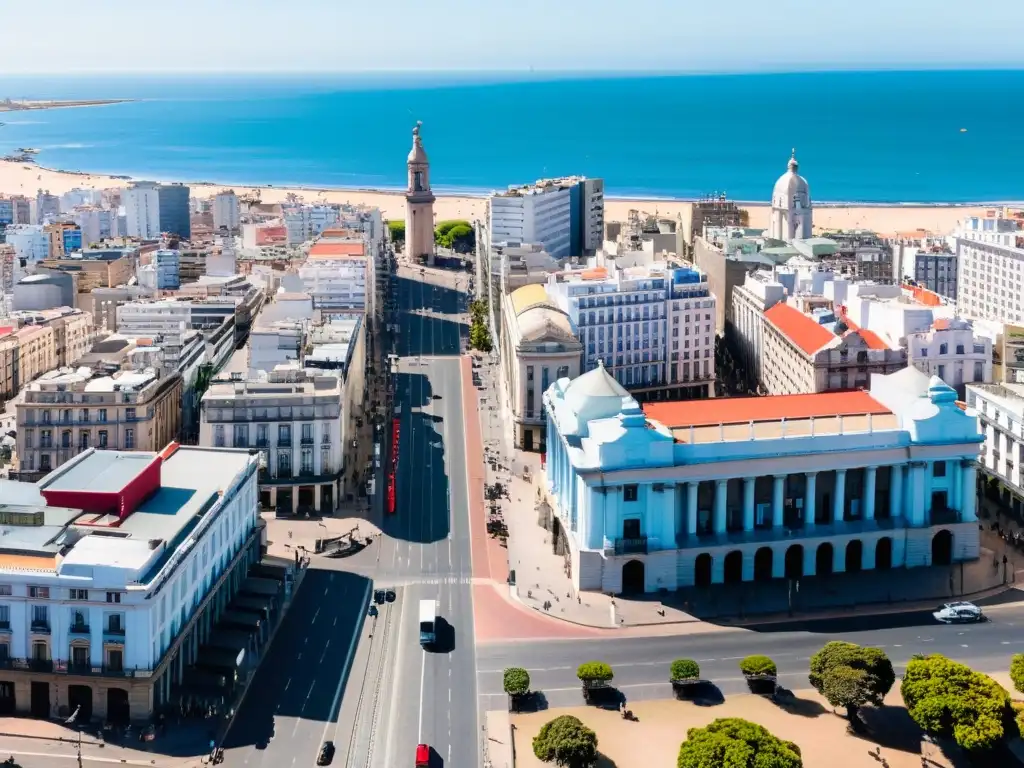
(214, 317)
(116, 568)
(305, 222)
(31, 243)
(990, 264)
(1001, 409)
(652, 326)
(74, 198)
(226, 211)
(296, 422)
(791, 216)
(951, 350)
(96, 224)
(754, 489)
(142, 210)
(336, 274)
(167, 265)
(543, 213)
(760, 292)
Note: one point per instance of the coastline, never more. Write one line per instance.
(30, 105)
(939, 218)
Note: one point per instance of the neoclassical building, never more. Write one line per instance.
(791, 215)
(419, 203)
(693, 493)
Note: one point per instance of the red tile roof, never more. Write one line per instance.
(740, 410)
(338, 248)
(872, 339)
(803, 330)
(941, 324)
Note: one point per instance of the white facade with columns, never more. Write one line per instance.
(743, 489)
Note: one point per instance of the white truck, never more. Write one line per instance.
(428, 622)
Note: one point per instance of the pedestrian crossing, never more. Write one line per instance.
(384, 582)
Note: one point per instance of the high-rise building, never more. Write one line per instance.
(305, 222)
(31, 243)
(990, 270)
(47, 207)
(96, 224)
(142, 210)
(565, 216)
(174, 211)
(15, 209)
(419, 202)
(226, 211)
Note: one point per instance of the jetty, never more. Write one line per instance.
(21, 105)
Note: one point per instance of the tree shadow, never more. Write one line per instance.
(792, 704)
(534, 701)
(890, 727)
(702, 694)
(603, 761)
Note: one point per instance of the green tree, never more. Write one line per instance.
(567, 742)
(397, 230)
(516, 681)
(948, 699)
(593, 672)
(850, 675)
(1017, 671)
(684, 669)
(758, 665)
(731, 742)
(480, 337)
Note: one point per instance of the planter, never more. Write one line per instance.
(762, 684)
(687, 687)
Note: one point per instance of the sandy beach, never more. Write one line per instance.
(26, 179)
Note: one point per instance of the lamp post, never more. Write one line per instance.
(72, 721)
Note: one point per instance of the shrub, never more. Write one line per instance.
(566, 742)
(1017, 672)
(948, 699)
(397, 230)
(684, 669)
(758, 665)
(516, 681)
(735, 743)
(594, 671)
(850, 675)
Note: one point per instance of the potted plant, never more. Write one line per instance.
(761, 673)
(594, 676)
(517, 686)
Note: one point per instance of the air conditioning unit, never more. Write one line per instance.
(659, 487)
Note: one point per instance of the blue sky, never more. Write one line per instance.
(360, 35)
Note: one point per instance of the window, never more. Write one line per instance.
(325, 462)
(5, 651)
(5, 589)
(959, 349)
(115, 660)
(114, 624)
(979, 372)
(78, 619)
(261, 435)
(943, 349)
(939, 469)
(83, 440)
(79, 594)
(284, 435)
(241, 436)
(80, 656)
(129, 439)
(103, 415)
(40, 651)
(129, 414)
(113, 597)
(630, 492)
(218, 435)
(5, 616)
(103, 438)
(39, 593)
(84, 416)
(307, 433)
(40, 617)
(307, 461)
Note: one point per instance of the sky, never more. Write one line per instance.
(80, 36)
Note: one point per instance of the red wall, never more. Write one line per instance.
(140, 488)
(122, 503)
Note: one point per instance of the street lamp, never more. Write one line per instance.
(71, 721)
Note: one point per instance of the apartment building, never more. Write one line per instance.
(305, 222)
(116, 569)
(31, 244)
(174, 211)
(759, 292)
(72, 331)
(97, 224)
(936, 270)
(953, 351)
(295, 420)
(215, 318)
(1001, 410)
(565, 216)
(65, 237)
(47, 207)
(336, 274)
(37, 351)
(10, 376)
(990, 264)
(100, 268)
(226, 211)
(142, 210)
(67, 411)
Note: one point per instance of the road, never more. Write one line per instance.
(641, 664)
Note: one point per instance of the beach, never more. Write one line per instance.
(26, 179)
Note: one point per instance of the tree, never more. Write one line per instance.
(480, 337)
(755, 666)
(684, 669)
(516, 681)
(731, 742)
(948, 699)
(397, 230)
(457, 234)
(566, 742)
(590, 672)
(1017, 672)
(850, 675)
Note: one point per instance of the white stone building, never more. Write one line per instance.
(753, 489)
(539, 213)
(31, 244)
(226, 211)
(951, 350)
(791, 216)
(305, 222)
(990, 264)
(1001, 409)
(141, 203)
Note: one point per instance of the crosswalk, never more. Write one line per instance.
(383, 582)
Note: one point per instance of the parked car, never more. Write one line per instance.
(959, 613)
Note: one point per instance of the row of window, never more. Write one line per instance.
(284, 435)
(40, 619)
(84, 439)
(66, 415)
(43, 593)
(113, 657)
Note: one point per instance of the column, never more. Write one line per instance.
(869, 493)
(295, 500)
(316, 498)
(691, 508)
(896, 493)
(968, 491)
(956, 485)
(839, 497)
(778, 501)
(721, 488)
(748, 506)
(918, 503)
(809, 498)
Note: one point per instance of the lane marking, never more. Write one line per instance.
(423, 675)
(392, 714)
(335, 709)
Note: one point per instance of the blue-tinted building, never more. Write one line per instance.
(72, 240)
(174, 210)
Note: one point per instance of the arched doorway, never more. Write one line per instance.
(80, 699)
(734, 567)
(942, 548)
(118, 709)
(795, 562)
(854, 556)
(763, 563)
(8, 704)
(702, 570)
(823, 559)
(633, 577)
(883, 554)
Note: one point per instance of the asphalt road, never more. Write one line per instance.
(641, 664)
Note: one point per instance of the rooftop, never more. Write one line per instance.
(333, 249)
(803, 330)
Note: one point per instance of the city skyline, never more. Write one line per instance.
(523, 37)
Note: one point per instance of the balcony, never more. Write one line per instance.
(5, 626)
(943, 516)
(40, 627)
(632, 546)
(79, 629)
(113, 633)
(284, 442)
(792, 531)
(262, 442)
(40, 665)
(307, 440)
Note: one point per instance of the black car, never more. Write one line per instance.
(390, 596)
(326, 753)
(378, 596)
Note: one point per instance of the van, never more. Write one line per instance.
(422, 756)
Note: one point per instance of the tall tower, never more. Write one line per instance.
(419, 203)
(791, 215)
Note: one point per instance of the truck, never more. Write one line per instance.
(428, 622)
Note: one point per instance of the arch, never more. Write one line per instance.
(633, 577)
(942, 547)
(795, 562)
(702, 570)
(824, 557)
(734, 567)
(883, 554)
(80, 699)
(854, 556)
(118, 708)
(764, 562)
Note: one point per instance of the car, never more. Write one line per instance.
(390, 595)
(378, 596)
(422, 756)
(373, 610)
(958, 613)
(326, 753)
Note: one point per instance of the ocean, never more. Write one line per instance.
(883, 137)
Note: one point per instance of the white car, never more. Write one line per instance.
(958, 613)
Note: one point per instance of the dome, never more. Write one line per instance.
(596, 395)
(417, 154)
(791, 183)
(541, 322)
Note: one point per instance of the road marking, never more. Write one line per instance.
(119, 761)
(288, 683)
(335, 709)
(394, 693)
(423, 675)
(316, 614)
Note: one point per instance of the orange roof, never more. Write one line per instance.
(338, 232)
(740, 410)
(941, 324)
(872, 339)
(338, 248)
(923, 295)
(803, 330)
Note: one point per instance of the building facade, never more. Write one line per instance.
(226, 211)
(37, 351)
(173, 210)
(990, 270)
(31, 243)
(10, 375)
(419, 202)
(142, 210)
(540, 214)
(936, 270)
(791, 214)
(951, 350)
(753, 489)
(759, 293)
(166, 265)
(1001, 410)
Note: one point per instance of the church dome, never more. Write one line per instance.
(596, 395)
(417, 154)
(791, 183)
(544, 323)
